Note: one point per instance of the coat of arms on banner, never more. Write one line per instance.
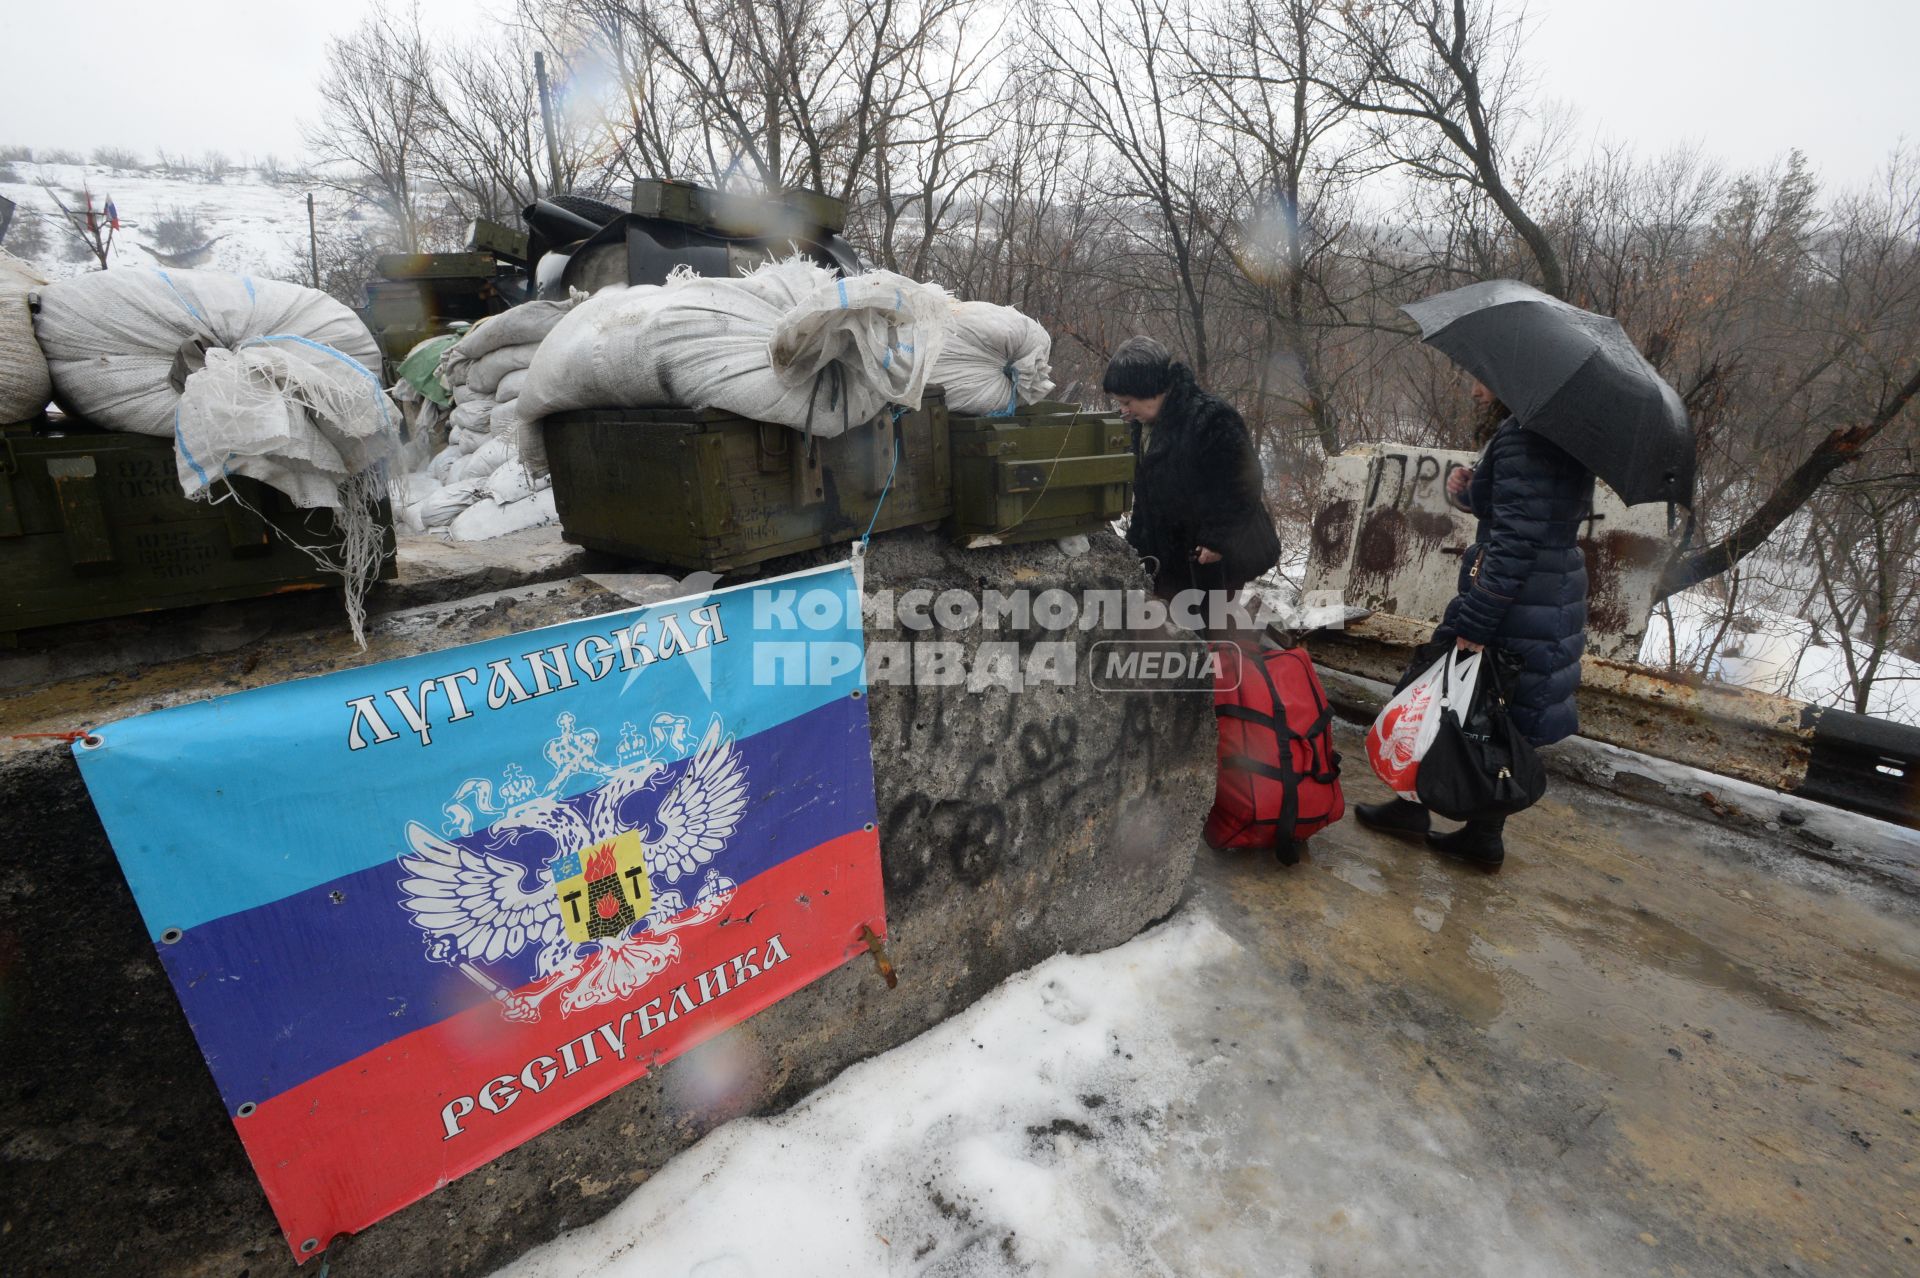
(603, 894)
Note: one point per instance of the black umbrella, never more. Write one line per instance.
(1574, 377)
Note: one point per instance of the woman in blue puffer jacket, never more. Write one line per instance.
(1522, 589)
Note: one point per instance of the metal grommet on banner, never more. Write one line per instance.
(309, 1244)
(868, 827)
(246, 1110)
(171, 936)
(857, 694)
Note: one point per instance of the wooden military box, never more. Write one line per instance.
(1049, 470)
(93, 524)
(717, 491)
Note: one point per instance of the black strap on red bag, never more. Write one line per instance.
(1318, 737)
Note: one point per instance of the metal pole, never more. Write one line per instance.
(313, 241)
(546, 120)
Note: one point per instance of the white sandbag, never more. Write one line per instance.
(274, 411)
(484, 460)
(25, 385)
(488, 518)
(446, 503)
(248, 377)
(994, 360)
(441, 468)
(110, 337)
(790, 343)
(415, 488)
(473, 415)
(465, 392)
(432, 418)
(524, 325)
(511, 482)
(466, 440)
(486, 373)
(509, 388)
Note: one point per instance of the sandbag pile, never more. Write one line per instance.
(479, 472)
(249, 377)
(791, 343)
(25, 385)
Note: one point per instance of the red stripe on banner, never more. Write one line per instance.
(342, 1150)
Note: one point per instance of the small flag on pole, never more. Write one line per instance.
(113, 214)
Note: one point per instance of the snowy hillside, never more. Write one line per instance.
(245, 223)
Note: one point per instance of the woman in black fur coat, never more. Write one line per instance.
(1198, 515)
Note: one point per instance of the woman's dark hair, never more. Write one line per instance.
(1140, 369)
(1487, 420)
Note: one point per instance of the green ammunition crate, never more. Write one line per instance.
(93, 524)
(436, 266)
(731, 213)
(717, 491)
(1050, 470)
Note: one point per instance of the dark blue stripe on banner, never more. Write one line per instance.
(286, 991)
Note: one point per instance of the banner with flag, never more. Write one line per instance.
(421, 911)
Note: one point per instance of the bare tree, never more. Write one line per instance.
(370, 139)
(1837, 335)
(1113, 70)
(1440, 83)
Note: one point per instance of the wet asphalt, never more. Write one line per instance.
(1647, 1046)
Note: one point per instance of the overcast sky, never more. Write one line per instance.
(1748, 79)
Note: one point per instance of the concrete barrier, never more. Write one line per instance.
(1387, 539)
(1015, 826)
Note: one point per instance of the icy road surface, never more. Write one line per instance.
(1645, 1048)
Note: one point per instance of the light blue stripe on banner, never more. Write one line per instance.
(843, 293)
(229, 804)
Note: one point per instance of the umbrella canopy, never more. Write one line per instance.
(1573, 376)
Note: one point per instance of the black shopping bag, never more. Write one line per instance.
(1481, 765)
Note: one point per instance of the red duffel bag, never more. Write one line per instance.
(1279, 775)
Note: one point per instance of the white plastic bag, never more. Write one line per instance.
(995, 359)
(1406, 726)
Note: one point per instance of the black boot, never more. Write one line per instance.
(1477, 843)
(1396, 816)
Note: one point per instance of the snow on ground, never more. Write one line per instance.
(1086, 1118)
(256, 227)
(1777, 654)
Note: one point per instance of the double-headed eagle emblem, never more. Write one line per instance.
(600, 906)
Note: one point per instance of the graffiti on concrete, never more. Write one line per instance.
(1386, 538)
